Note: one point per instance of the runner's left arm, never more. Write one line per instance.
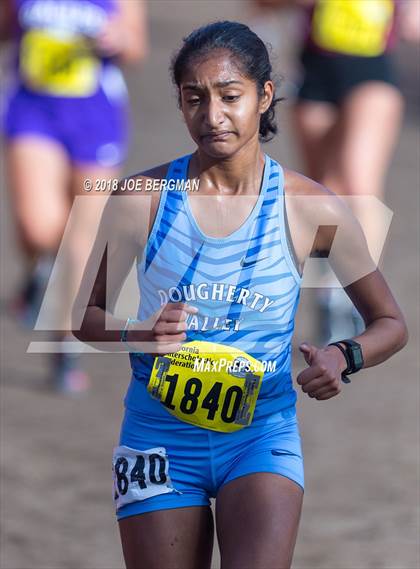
(312, 211)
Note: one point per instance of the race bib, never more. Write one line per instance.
(353, 27)
(139, 475)
(58, 66)
(208, 385)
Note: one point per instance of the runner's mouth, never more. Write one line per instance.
(214, 136)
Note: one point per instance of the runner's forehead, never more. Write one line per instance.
(214, 71)
(194, 85)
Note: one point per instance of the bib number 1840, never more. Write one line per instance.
(193, 398)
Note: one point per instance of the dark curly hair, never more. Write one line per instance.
(249, 52)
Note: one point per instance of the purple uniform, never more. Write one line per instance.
(62, 89)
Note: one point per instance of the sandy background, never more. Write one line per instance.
(361, 449)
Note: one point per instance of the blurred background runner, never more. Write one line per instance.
(347, 111)
(65, 120)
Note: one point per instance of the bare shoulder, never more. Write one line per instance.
(309, 201)
(133, 203)
(135, 184)
(296, 184)
(322, 224)
(313, 213)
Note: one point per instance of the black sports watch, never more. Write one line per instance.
(353, 355)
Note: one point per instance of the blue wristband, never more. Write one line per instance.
(124, 333)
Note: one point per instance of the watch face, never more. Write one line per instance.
(354, 351)
(357, 356)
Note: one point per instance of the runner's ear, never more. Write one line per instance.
(266, 97)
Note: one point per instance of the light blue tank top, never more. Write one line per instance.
(245, 286)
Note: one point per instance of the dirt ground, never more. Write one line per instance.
(361, 449)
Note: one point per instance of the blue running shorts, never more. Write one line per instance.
(164, 463)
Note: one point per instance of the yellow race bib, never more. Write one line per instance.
(208, 385)
(352, 27)
(58, 66)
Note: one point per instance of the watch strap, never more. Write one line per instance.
(344, 377)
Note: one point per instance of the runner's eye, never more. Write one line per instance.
(193, 101)
(230, 98)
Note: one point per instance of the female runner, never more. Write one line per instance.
(210, 411)
(65, 121)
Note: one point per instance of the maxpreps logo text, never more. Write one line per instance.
(238, 368)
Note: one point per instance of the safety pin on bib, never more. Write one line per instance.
(163, 364)
(243, 414)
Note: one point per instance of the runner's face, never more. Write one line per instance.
(221, 106)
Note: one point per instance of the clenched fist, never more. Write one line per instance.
(322, 379)
(169, 330)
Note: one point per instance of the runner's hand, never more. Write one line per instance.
(169, 330)
(322, 379)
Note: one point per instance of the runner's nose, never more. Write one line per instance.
(213, 114)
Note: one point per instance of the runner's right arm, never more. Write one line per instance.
(121, 238)
(118, 242)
